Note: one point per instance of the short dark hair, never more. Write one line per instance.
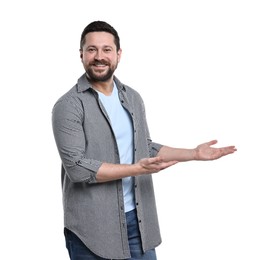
(100, 26)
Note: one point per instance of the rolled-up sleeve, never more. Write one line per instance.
(154, 148)
(67, 123)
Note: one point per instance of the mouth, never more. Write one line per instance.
(100, 64)
(99, 68)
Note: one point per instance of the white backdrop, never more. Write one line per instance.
(201, 69)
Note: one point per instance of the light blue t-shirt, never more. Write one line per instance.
(122, 126)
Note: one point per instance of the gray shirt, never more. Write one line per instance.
(84, 138)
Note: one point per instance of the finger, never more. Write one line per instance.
(212, 142)
(171, 163)
(229, 148)
(157, 159)
(168, 164)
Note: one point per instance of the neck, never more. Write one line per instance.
(105, 87)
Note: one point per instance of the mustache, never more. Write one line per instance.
(99, 62)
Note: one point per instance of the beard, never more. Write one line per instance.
(103, 77)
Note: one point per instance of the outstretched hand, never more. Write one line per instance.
(205, 152)
(169, 156)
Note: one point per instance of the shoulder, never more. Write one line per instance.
(70, 102)
(129, 91)
(69, 97)
(75, 95)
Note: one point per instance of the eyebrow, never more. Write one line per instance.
(94, 46)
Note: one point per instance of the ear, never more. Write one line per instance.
(81, 54)
(119, 54)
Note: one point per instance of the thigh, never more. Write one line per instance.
(135, 240)
(77, 249)
(138, 254)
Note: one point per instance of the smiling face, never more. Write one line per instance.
(100, 56)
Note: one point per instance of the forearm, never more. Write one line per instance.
(176, 154)
(203, 152)
(110, 172)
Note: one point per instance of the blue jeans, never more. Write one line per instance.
(78, 251)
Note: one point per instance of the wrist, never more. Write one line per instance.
(136, 169)
(194, 154)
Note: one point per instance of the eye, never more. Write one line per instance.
(91, 49)
(107, 50)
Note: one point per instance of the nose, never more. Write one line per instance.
(99, 55)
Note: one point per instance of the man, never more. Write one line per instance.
(108, 157)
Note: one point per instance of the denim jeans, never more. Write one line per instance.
(78, 251)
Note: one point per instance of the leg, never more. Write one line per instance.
(135, 239)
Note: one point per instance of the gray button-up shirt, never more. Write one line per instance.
(84, 138)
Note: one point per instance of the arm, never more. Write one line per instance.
(166, 157)
(67, 122)
(70, 140)
(202, 152)
(109, 172)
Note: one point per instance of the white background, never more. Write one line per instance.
(201, 69)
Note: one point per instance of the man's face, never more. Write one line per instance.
(99, 56)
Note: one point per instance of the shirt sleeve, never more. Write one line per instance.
(67, 123)
(154, 148)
